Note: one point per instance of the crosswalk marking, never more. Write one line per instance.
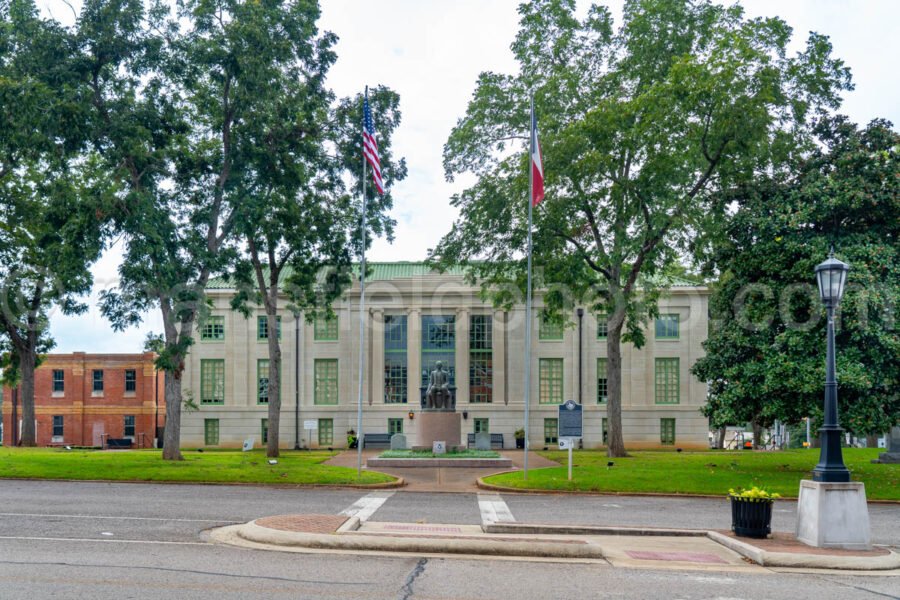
(366, 506)
(494, 509)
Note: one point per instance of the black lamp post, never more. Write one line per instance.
(831, 275)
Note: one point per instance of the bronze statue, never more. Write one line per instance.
(438, 395)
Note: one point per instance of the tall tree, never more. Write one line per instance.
(51, 228)
(638, 127)
(765, 355)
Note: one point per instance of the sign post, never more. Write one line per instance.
(570, 427)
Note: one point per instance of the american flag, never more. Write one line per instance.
(370, 146)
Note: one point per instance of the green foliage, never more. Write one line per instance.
(766, 351)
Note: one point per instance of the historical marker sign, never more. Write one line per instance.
(570, 419)
(310, 425)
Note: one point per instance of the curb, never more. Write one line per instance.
(522, 528)
(252, 532)
(400, 482)
(808, 561)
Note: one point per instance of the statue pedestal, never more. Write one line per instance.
(833, 515)
(438, 426)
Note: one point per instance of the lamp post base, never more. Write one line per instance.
(833, 515)
(831, 467)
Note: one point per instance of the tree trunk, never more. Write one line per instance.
(274, 380)
(615, 447)
(720, 438)
(172, 435)
(757, 433)
(872, 441)
(26, 366)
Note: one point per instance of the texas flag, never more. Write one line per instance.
(537, 165)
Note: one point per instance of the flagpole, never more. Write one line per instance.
(362, 314)
(528, 324)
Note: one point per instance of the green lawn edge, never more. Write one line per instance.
(707, 473)
(218, 466)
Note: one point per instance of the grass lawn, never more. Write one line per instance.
(218, 466)
(711, 472)
(429, 454)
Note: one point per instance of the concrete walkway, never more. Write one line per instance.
(442, 479)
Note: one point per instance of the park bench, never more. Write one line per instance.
(496, 441)
(376, 440)
(114, 443)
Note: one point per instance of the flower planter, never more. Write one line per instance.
(751, 517)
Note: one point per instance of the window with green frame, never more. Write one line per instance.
(604, 430)
(550, 390)
(438, 344)
(396, 373)
(602, 382)
(264, 430)
(667, 432)
(395, 426)
(213, 329)
(667, 327)
(262, 380)
(262, 327)
(481, 359)
(325, 371)
(602, 326)
(551, 431)
(548, 330)
(212, 381)
(482, 425)
(211, 432)
(667, 381)
(326, 432)
(325, 329)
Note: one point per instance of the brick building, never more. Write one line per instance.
(84, 399)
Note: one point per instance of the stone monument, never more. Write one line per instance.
(439, 420)
(892, 456)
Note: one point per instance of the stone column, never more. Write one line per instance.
(892, 443)
(376, 390)
(462, 357)
(414, 356)
(499, 358)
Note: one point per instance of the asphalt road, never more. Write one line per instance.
(106, 540)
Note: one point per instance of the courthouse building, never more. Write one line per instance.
(85, 399)
(416, 317)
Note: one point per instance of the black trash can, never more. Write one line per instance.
(751, 517)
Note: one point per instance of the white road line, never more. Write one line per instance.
(366, 506)
(101, 541)
(117, 518)
(494, 509)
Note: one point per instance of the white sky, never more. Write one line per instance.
(431, 52)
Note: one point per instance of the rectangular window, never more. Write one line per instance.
(548, 330)
(262, 327)
(602, 326)
(59, 380)
(396, 375)
(325, 329)
(58, 428)
(667, 327)
(130, 380)
(438, 344)
(212, 381)
(395, 426)
(326, 432)
(551, 431)
(264, 430)
(667, 379)
(481, 359)
(551, 380)
(602, 382)
(211, 432)
(667, 432)
(98, 381)
(482, 426)
(213, 329)
(262, 381)
(326, 381)
(128, 429)
(604, 430)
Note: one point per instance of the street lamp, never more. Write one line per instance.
(831, 276)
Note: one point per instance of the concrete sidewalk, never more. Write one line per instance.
(441, 479)
(616, 546)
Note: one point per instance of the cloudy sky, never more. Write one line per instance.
(431, 52)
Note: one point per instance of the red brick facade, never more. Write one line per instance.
(89, 417)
